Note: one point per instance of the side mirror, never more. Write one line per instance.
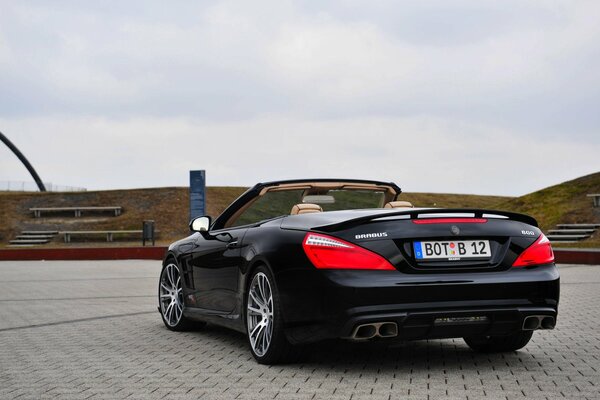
(200, 224)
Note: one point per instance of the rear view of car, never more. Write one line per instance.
(422, 273)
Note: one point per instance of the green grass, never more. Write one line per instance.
(563, 203)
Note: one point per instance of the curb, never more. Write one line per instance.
(577, 256)
(84, 253)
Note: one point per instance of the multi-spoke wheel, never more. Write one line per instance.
(170, 298)
(171, 295)
(264, 321)
(260, 314)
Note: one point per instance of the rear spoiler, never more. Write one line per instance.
(416, 213)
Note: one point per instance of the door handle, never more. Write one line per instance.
(233, 245)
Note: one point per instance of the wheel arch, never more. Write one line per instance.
(169, 256)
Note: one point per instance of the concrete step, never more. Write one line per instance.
(578, 226)
(34, 237)
(30, 238)
(567, 237)
(39, 232)
(29, 241)
(571, 231)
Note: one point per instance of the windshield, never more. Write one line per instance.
(273, 204)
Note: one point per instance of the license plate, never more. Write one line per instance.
(452, 250)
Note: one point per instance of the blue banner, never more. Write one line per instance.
(197, 193)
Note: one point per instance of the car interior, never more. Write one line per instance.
(315, 197)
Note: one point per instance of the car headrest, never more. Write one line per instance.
(305, 208)
(399, 204)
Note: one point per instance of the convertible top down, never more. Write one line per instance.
(290, 263)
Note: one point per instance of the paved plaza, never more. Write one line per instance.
(90, 329)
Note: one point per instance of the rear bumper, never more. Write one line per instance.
(440, 306)
(449, 323)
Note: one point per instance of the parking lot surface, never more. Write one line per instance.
(87, 329)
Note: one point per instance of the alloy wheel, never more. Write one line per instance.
(260, 314)
(171, 295)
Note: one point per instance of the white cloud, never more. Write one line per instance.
(340, 60)
(352, 61)
(416, 152)
(439, 95)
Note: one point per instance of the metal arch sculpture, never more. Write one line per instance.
(25, 162)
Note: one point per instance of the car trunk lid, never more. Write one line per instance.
(441, 240)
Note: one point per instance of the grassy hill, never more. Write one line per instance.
(563, 203)
(168, 207)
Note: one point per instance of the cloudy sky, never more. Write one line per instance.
(490, 97)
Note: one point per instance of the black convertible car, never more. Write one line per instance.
(295, 262)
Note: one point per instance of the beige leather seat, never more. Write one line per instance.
(399, 204)
(305, 208)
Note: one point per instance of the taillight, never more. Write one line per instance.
(327, 252)
(540, 252)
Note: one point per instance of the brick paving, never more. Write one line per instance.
(85, 329)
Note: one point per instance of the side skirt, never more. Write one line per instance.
(231, 321)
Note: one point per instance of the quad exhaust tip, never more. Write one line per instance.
(534, 322)
(390, 329)
(375, 329)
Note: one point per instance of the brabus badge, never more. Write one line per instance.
(371, 235)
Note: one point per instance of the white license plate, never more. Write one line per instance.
(452, 250)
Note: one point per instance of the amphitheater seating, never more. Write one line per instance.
(568, 233)
(31, 238)
(37, 211)
(109, 234)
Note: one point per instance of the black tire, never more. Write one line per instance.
(279, 350)
(181, 323)
(499, 344)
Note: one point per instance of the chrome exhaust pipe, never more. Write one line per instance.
(533, 322)
(376, 329)
(548, 323)
(388, 329)
(364, 332)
